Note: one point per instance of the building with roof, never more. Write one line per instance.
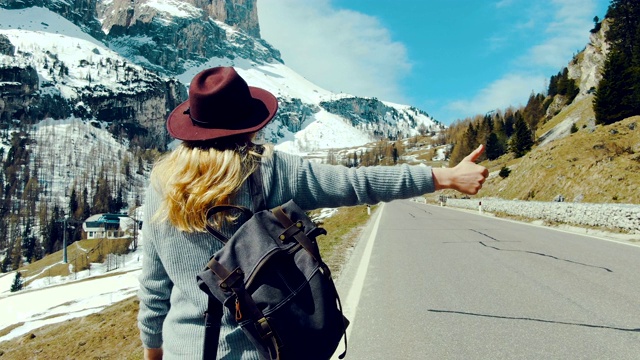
(109, 226)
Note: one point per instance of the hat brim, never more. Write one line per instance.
(264, 108)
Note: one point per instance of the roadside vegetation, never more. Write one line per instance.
(597, 166)
(343, 230)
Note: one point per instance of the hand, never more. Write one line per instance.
(153, 354)
(466, 177)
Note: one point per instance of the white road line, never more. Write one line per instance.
(353, 297)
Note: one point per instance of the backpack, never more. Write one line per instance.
(271, 275)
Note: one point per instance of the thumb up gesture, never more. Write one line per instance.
(466, 177)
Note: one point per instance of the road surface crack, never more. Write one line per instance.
(534, 319)
(546, 255)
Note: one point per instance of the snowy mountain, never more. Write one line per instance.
(95, 80)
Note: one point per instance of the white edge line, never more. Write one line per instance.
(353, 297)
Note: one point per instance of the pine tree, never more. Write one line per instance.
(86, 208)
(118, 203)
(553, 86)
(618, 93)
(521, 141)
(17, 282)
(102, 198)
(509, 121)
(613, 99)
(73, 201)
(596, 25)
(562, 81)
(534, 111)
(395, 154)
(28, 242)
(52, 232)
(494, 148)
(504, 172)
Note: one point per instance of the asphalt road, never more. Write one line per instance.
(427, 282)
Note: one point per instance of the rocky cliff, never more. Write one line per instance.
(166, 36)
(585, 67)
(88, 82)
(382, 120)
(80, 12)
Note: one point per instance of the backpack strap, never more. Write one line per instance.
(294, 230)
(212, 321)
(214, 312)
(255, 183)
(245, 305)
(257, 196)
(220, 208)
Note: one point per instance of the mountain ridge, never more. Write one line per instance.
(237, 56)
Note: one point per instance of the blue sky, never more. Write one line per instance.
(450, 58)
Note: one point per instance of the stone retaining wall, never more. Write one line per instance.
(624, 217)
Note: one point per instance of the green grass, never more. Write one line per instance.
(343, 230)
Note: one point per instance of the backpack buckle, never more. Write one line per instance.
(230, 280)
(264, 329)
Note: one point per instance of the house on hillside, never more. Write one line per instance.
(109, 226)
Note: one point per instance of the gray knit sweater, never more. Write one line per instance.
(172, 305)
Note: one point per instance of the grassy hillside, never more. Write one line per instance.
(599, 164)
(79, 256)
(110, 334)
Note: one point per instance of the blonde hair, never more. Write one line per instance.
(195, 177)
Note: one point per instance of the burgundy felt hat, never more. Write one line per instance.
(221, 104)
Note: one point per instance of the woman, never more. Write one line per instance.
(210, 167)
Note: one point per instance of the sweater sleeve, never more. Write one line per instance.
(313, 185)
(155, 285)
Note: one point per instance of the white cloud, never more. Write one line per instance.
(563, 36)
(340, 50)
(510, 90)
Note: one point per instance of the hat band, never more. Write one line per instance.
(198, 123)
